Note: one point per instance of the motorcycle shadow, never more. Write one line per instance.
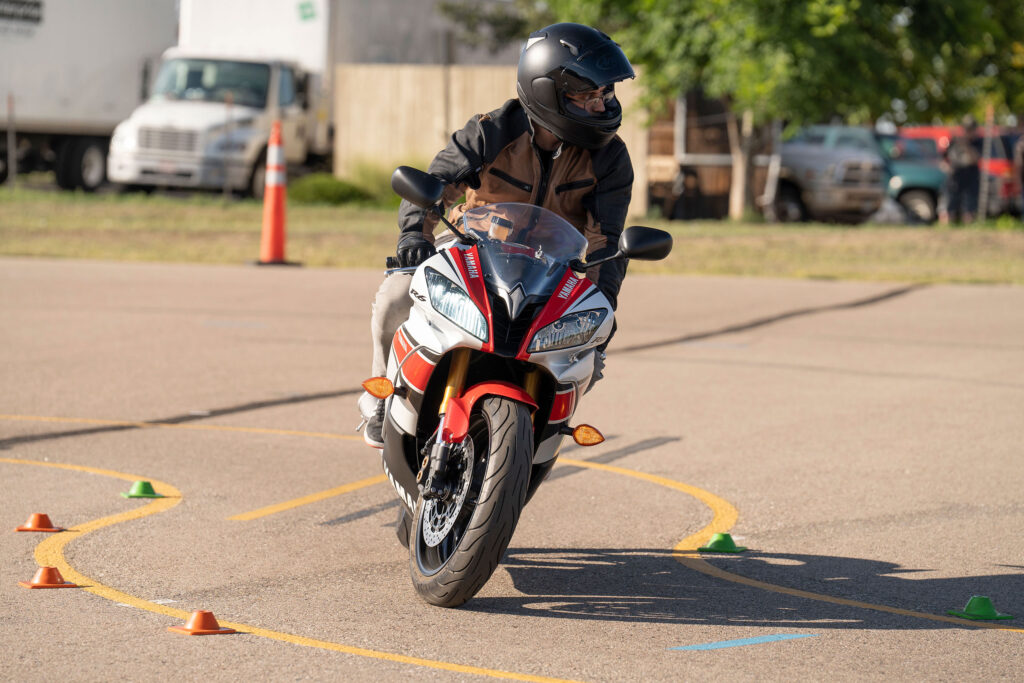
(650, 586)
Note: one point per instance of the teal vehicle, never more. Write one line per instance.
(910, 176)
(915, 178)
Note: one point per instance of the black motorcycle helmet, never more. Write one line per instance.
(564, 59)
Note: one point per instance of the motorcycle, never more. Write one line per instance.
(484, 377)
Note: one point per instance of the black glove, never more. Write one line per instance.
(413, 249)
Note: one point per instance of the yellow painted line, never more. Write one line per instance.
(724, 514)
(704, 567)
(724, 518)
(311, 498)
(50, 553)
(168, 425)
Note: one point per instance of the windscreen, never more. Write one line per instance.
(523, 245)
(211, 80)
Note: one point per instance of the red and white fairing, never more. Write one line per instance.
(513, 311)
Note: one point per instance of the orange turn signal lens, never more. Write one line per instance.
(379, 387)
(585, 435)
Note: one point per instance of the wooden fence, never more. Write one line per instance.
(392, 114)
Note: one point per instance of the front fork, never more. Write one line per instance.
(443, 461)
(433, 479)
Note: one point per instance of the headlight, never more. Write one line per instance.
(570, 330)
(454, 303)
(123, 139)
(237, 141)
(231, 145)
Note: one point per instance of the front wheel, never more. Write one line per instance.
(456, 545)
(919, 205)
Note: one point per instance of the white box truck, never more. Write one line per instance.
(73, 70)
(239, 65)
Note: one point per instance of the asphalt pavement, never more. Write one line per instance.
(863, 440)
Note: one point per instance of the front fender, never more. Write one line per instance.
(456, 421)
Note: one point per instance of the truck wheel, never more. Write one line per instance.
(89, 164)
(919, 206)
(258, 177)
(789, 208)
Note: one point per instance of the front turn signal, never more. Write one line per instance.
(379, 387)
(585, 435)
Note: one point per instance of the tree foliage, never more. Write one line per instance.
(802, 60)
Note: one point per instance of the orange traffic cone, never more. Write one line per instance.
(47, 577)
(39, 521)
(201, 623)
(272, 242)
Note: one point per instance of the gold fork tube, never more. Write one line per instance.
(532, 383)
(456, 377)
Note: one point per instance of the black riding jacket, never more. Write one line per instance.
(494, 159)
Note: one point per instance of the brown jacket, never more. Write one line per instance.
(493, 159)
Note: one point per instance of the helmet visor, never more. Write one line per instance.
(604, 65)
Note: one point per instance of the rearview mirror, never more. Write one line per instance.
(645, 244)
(417, 187)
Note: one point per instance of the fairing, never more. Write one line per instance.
(517, 274)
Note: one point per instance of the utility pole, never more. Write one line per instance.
(986, 154)
(12, 147)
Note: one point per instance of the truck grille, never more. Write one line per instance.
(861, 174)
(168, 139)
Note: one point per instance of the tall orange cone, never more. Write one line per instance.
(201, 623)
(272, 242)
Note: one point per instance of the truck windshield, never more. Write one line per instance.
(210, 80)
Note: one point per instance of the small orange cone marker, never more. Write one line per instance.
(47, 577)
(272, 240)
(39, 521)
(201, 623)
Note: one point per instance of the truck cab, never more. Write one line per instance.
(207, 122)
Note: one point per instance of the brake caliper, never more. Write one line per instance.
(440, 474)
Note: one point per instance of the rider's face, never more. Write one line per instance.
(593, 101)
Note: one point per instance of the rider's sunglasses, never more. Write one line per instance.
(588, 98)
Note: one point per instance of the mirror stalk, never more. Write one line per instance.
(459, 235)
(578, 265)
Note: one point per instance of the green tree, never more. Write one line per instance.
(804, 60)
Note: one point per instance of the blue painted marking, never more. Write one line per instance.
(745, 641)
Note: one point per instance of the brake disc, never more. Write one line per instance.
(438, 515)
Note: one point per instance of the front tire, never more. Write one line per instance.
(450, 573)
(257, 177)
(789, 207)
(919, 205)
(88, 169)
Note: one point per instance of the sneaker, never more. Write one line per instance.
(373, 430)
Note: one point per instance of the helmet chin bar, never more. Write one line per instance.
(564, 58)
(586, 130)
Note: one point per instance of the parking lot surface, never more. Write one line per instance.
(864, 440)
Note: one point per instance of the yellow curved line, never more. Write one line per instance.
(311, 498)
(724, 518)
(171, 425)
(724, 514)
(704, 567)
(50, 553)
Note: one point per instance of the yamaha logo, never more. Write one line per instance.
(567, 288)
(471, 266)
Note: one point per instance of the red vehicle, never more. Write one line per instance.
(1004, 187)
